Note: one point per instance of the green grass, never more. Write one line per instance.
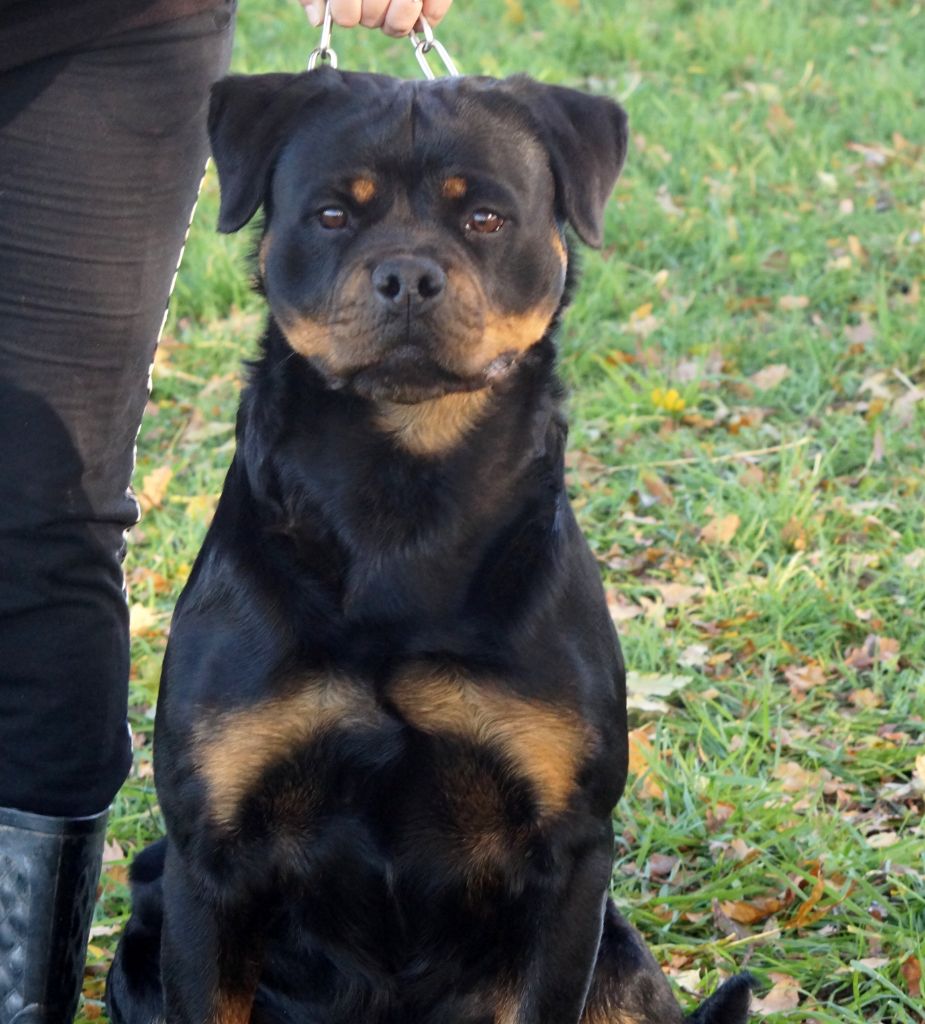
(771, 212)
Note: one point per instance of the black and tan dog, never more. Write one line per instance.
(392, 729)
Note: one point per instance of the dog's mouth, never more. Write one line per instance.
(407, 374)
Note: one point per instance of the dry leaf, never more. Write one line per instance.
(912, 972)
(794, 778)
(793, 302)
(154, 488)
(658, 489)
(142, 620)
(875, 650)
(720, 530)
(915, 559)
(753, 911)
(883, 840)
(675, 595)
(784, 995)
(641, 754)
(660, 865)
(620, 610)
(803, 678)
(770, 376)
(752, 476)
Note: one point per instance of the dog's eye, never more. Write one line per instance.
(485, 222)
(332, 218)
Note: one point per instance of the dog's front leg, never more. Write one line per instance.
(567, 930)
(210, 955)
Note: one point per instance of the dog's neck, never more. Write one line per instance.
(399, 464)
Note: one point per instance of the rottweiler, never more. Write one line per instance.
(391, 728)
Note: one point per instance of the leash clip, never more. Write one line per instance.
(323, 51)
(423, 44)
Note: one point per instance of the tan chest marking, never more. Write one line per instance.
(542, 743)
(235, 748)
(428, 428)
(232, 1009)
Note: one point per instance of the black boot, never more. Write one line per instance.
(49, 869)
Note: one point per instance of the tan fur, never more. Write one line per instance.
(542, 743)
(434, 426)
(508, 1009)
(236, 747)
(308, 337)
(232, 1009)
(559, 246)
(363, 190)
(503, 334)
(455, 188)
(605, 1015)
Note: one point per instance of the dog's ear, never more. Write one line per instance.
(249, 116)
(728, 1004)
(586, 137)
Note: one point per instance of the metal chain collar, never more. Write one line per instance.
(423, 43)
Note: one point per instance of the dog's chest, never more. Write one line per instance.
(436, 763)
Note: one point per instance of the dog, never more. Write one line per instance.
(391, 729)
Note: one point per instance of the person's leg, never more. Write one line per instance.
(101, 154)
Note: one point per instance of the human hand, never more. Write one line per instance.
(394, 17)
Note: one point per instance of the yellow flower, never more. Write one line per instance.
(668, 400)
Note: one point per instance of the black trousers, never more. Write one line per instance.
(101, 155)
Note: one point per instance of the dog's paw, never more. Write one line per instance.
(728, 1004)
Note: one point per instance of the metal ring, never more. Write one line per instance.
(430, 42)
(323, 51)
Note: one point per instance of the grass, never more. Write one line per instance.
(771, 215)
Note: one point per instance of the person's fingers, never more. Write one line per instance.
(346, 13)
(374, 11)
(315, 11)
(434, 10)
(401, 16)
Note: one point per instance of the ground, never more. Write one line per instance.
(746, 360)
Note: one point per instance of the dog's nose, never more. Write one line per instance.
(409, 280)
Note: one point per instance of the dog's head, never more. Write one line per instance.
(414, 233)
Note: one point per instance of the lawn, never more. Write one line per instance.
(746, 362)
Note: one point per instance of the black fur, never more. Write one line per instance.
(391, 728)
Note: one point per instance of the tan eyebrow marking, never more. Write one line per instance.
(362, 189)
(455, 187)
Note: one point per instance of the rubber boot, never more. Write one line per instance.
(49, 869)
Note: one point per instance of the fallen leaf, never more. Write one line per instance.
(803, 678)
(658, 489)
(753, 911)
(794, 778)
(770, 376)
(654, 683)
(621, 610)
(865, 698)
(154, 488)
(752, 476)
(142, 620)
(675, 595)
(694, 656)
(883, 840)
(641, 755)
(784, 995)
(912, 972)
(793, 302)
(861, 334)
(915, 559)
(660, 865)
(720, 530)
(875, 650)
